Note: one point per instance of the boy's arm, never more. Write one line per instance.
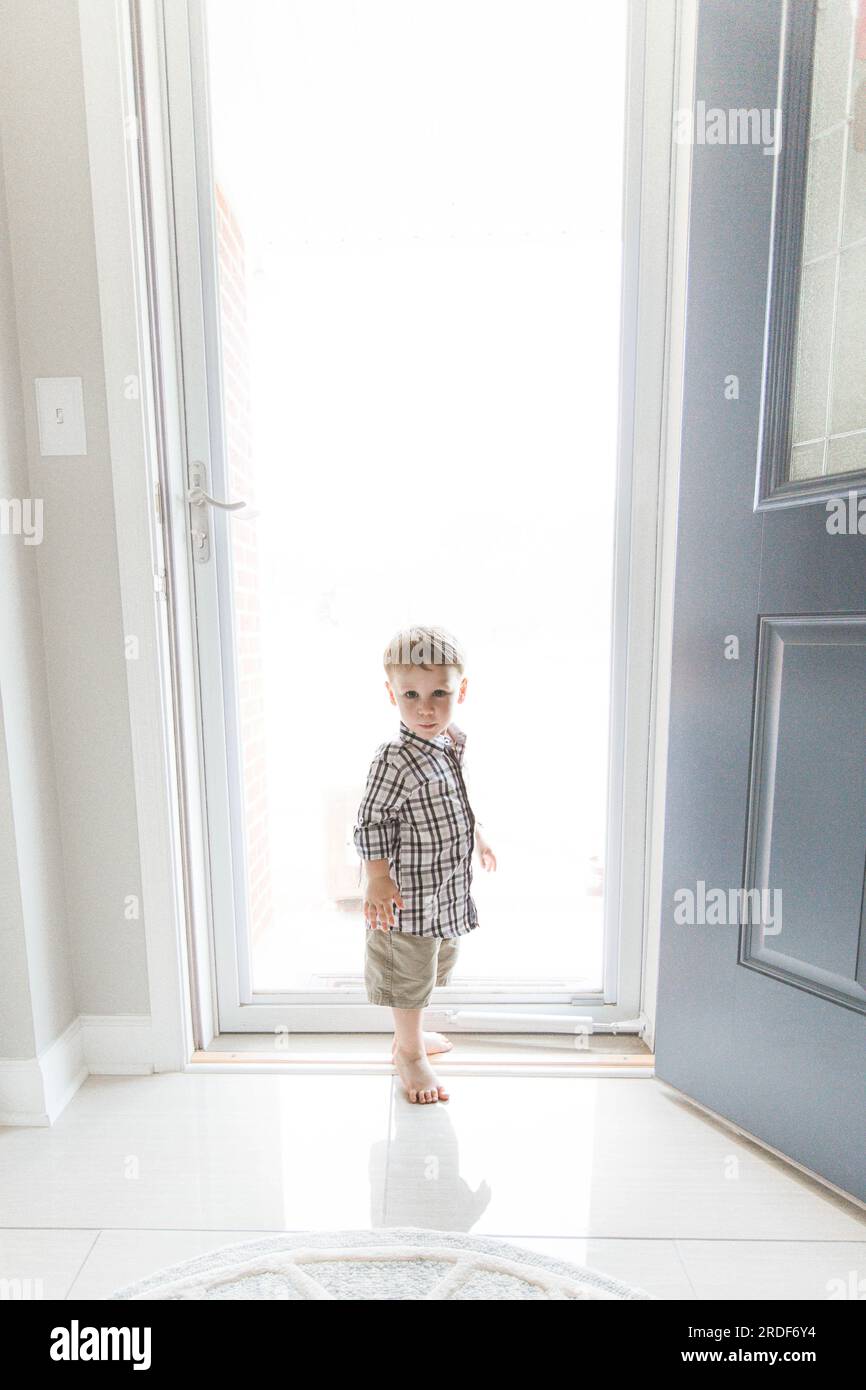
(377, 875)
(375, 867)
(375, 832)
(376, 824)
(375, 836)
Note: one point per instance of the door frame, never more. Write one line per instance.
(132, 34)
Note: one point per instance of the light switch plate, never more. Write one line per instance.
(60, 412)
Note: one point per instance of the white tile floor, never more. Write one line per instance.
(620, 1174)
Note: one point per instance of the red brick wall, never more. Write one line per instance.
(245, 563)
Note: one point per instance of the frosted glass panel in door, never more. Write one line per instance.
(829, 407)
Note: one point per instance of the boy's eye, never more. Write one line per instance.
(439, 692)
(410, 694)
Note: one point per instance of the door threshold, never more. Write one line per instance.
(472, 1053)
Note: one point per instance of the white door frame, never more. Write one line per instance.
(170, 220)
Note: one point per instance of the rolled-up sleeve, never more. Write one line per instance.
(375, 832)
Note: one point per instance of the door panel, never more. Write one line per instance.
(807, 807)
(766, 754)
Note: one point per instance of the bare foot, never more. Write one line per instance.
(433, 1042)
(423, 1086)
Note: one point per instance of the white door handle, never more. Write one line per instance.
(199, 498)
(197, 495)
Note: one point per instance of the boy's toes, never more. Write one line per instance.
(420, 1083)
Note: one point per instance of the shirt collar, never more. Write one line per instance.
(440, 741)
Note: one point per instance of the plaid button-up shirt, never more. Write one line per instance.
(416, 814)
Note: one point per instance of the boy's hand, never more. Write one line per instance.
(485, 853)
(382, 892)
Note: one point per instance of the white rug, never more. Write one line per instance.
(403, 1262)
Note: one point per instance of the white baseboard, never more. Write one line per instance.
(117, 1044)
(22, 1093)
(35, 1090)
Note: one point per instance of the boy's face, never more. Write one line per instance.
(426, 699)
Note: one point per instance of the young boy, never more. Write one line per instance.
(416, 832)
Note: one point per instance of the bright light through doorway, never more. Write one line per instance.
(420, 271)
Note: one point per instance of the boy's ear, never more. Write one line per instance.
(462, 691)
(390, 692)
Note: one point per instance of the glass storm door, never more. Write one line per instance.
(401, 299)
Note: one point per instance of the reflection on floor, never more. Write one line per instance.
(618, 1173)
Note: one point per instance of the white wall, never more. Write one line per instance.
(63, 675)
(35, 945)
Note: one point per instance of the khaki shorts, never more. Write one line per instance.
(402, 970)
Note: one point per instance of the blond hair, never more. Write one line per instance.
(426, 647)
